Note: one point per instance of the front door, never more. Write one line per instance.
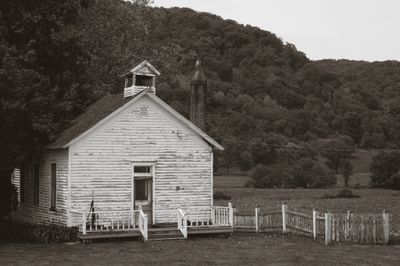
(143, 190)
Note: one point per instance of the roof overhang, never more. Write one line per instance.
(153, 72)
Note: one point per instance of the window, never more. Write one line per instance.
(22, 183)
(146, 81)
(36, 184)
(141, 189)
(53, 191)
(142, 169)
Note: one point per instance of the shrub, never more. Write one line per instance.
(262, 177)
(344, 193)
(16, 231)
(394, 181)
(301, 173)
(218, 195)
(8, 198)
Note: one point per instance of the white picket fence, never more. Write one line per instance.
(347, 228)
(358, 229)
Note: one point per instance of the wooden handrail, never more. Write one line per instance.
(143, 224)
(182, 222)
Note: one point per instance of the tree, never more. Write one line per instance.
(231, 152)
(346, 169)
(335, 151)
(262, 153)
(246, 161)
(46, 73)
(384, 166)
(41, 83)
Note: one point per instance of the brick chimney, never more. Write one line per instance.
(198, 87)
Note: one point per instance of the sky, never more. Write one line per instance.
(335, 29)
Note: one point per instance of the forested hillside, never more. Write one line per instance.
(59, 57)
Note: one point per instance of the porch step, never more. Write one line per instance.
(164, 225)
(210, 230)
(165, 234)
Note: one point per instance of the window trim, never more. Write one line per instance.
(151, 175)
(36, 184)
(22, 176)
(53, 186)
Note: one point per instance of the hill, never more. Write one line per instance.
(263, 92)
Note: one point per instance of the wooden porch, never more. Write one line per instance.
(134, 225)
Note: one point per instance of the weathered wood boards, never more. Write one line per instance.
(102, 163)
(99, 167)
(358, 228)
(39, 212)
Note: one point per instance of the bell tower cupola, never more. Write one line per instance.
(140, 78)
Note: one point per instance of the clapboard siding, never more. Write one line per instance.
(101, 163)
(27, 211)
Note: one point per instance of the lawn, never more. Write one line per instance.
(236, 250)
(371, 201)
(240, 249)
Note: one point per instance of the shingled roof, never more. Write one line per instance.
(93, 114)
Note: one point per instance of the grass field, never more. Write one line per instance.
(237, 250)
(371, 201)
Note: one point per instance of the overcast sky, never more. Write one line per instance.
(353, 29)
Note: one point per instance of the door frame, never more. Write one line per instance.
(153, 175)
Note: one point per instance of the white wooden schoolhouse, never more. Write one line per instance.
(130, 162)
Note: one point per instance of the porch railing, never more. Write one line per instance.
(182, 223)
(223, 216)
(210, 216)
(101, 221)
(143, 225)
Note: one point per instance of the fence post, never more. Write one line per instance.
(314, 219)
(230, 214)
(83, 223)
(328, 228)
(284, 216)
(257, 213)
(386, 232)
(347, 226)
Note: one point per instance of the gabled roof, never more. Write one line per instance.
(144, 68)
(109, 106)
